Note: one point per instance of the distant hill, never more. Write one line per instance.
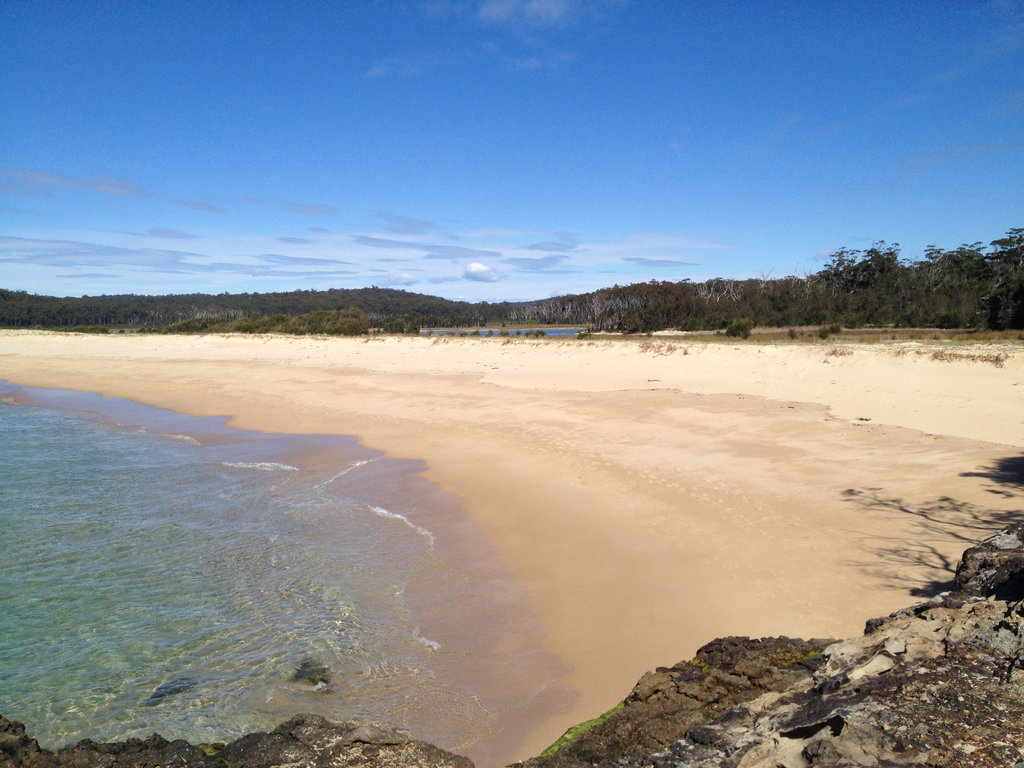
(968, 287)
(382, 305)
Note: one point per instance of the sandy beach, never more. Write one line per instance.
(650, 494)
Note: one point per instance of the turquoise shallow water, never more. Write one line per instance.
(141, 547)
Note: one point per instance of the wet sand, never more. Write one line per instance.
(649, 495)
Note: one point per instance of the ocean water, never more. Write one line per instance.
(160, 572)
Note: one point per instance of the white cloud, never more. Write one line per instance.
(402, 278)
(480, 273)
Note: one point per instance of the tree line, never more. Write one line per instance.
(967, 287)
(397, 309)
(971, 286)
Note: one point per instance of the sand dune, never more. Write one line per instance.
(650, 494)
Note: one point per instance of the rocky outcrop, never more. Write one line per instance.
(940, 683)
(305, 741)
(671, 701)
(995, 567)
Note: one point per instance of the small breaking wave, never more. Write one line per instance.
(181, 439)
(381, 512)
(431, 644)
(262, 466)
(347, 469)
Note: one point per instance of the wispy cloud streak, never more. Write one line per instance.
(36, 183)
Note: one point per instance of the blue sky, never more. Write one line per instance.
(495, 149)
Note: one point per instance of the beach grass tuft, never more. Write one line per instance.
(578, 730)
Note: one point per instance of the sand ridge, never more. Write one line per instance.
(650, 494)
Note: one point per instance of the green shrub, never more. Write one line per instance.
(348, 322)
(827, 330)
(402, 325)
(951, 320)
(739, 327)
(87, 329)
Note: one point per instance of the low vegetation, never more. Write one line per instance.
(969, 287)
(349, 322)
(578, 730)
(741, 327)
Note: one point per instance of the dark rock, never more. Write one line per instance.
(15, 744)
(180, 685)
(153, 752)
(310, 740)
(313, 672)
(708, 735)
(995, 567)
(938, 686)
(305, 741)
(669, 702)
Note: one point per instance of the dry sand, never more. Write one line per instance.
(650, 494)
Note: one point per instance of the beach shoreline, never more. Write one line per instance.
(649, 496)
(434, 633)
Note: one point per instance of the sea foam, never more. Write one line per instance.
(396, 516)
(346, 470)
(181, 438)
(431, 644)
(262, 466)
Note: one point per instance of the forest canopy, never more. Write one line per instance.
(971, 286)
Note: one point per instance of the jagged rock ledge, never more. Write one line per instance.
(305, 740)
(940, 683)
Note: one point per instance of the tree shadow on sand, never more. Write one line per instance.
(1007, 474)
(937, 522)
